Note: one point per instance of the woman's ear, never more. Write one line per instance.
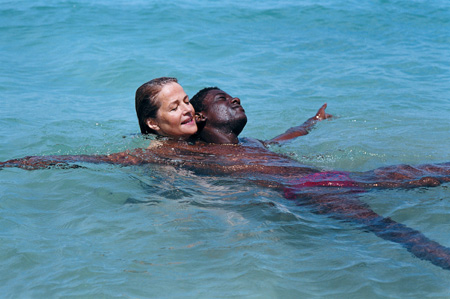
(152, 124)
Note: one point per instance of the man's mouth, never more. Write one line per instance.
(238, 107)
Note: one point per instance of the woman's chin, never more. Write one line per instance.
(189, 128)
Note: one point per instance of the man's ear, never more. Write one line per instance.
(200, 117)
(152, 124)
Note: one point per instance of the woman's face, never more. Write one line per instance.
(175, 117)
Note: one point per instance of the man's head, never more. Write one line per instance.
(220, 117)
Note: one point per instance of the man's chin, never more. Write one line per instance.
(239, 124)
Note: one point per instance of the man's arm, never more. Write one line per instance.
(125, 158)
(302, 129)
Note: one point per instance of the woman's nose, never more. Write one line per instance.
(187, 108)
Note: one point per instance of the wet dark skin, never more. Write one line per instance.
(223, 119)
(219, 152)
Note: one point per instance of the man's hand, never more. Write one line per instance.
(321, 114)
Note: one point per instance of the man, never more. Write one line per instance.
(221, 118)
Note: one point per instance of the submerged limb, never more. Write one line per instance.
(405, 176)
(401, 176)
(413, 240)
(43, 162)
(422, 182)
(135, 157)
(348, 208)
(31, 163)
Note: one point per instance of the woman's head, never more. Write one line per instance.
(163, 108)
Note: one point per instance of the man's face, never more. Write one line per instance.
(222, 110)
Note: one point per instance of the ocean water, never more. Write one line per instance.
(68, 73)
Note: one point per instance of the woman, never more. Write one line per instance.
(163, 108)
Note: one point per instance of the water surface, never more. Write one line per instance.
(69, 70)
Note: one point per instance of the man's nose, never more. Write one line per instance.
(236, 100)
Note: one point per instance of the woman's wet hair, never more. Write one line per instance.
(146, 102)
(197, 100)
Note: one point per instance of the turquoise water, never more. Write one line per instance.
(69, 70)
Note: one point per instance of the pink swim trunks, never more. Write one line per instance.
(320, 179)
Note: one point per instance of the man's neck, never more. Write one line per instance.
(214, 135)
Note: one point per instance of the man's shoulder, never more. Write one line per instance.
(251, 142)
